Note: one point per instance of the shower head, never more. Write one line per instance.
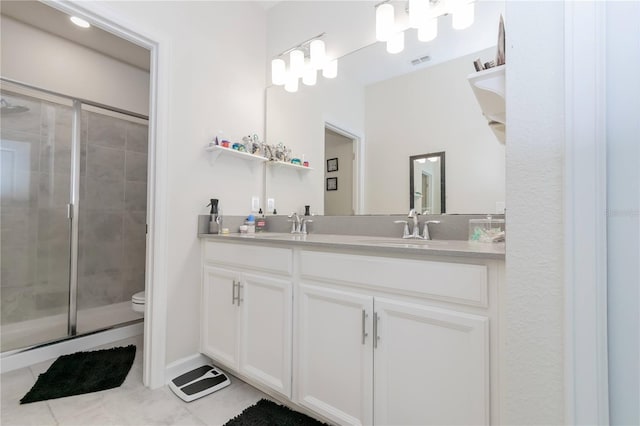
(7, 108)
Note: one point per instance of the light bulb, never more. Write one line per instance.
(317, 52)
(278, 72)
(463, 16)
(428, 30)
(418, 12)
(396, 43)
(330, 69)
(385, 22)
(296, 62)
(310, 76)
(292, 83)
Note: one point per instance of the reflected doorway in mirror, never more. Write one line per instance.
(427, 183)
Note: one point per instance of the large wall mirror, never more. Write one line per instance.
(389, 109)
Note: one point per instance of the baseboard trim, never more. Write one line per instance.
(25, 358)
(183, 365)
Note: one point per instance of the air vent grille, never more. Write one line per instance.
(420, 60)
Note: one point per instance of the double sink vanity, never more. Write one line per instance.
(358, 329)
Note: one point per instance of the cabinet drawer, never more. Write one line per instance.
(246, 256)
(455, 282)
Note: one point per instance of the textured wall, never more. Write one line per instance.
(532, 366)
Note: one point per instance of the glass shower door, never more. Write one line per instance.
(35, 175)
(112, 211)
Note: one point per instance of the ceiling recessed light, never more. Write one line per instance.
(80, 22)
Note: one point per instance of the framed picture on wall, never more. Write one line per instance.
(332, 184)
(332, 165)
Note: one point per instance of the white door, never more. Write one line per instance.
(265, 347)
(431, 366)
(335, 358)
(219, 316)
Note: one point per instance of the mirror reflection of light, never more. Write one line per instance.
(434, 159)
(79, 22)
(421, 160)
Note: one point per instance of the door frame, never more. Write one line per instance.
(358, 164)
(585, 217)
(156, 284)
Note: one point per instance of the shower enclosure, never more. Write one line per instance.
(73, 179)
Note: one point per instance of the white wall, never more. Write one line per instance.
(216, 82)
(54, 63)
(427, 111)
(300, 124)
(532, 368)
(623, 198)
(340, 202)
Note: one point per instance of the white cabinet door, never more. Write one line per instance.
(219, 316)
(335, 359)
(431, 366)
(265, 347)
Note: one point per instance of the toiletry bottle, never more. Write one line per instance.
(214, 222)
(261, 222)
(306, 211)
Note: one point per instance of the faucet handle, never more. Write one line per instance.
(425, 232)
(405, 232)
(304, 225)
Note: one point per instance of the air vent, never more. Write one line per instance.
(420, 60)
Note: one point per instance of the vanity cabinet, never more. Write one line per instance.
(365, 356)
(246, 313)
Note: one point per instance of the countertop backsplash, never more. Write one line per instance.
(451, 227)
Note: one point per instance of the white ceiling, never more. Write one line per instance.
(51, 20)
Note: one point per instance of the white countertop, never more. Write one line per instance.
(378, 244)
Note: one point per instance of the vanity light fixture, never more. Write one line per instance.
(79, 22)
(395, 44)
(423, 15)
(305, 60)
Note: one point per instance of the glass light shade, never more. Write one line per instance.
(79, 22)
(278, 72)
(292, 83)
(330, 69)
(385, 22)
(317, 52)
(310, 76)
(418, 12)
(396, 43)
(296, 62)
(463, 16)
(428, 30)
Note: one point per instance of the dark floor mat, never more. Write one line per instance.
(267, 413)
(83, 372)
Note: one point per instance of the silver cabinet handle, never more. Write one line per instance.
(364, 332)
(376, 318)
(240, 286)
(233, 293)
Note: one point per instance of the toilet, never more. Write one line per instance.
(137, 302)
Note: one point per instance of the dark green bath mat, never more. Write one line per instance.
(268, 413)
(83, 372)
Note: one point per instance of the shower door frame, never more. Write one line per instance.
(73, 206)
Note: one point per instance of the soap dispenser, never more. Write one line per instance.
(215, 217)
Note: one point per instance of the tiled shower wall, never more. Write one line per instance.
(113, 194)
(34, 240)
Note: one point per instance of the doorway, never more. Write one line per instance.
(340, 172)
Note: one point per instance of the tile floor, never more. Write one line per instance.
(130, 404)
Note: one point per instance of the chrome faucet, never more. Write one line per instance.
(295, 223)
(416, 228)
(425, 232)
(303, 228)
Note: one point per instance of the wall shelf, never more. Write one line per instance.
(215, 151)
(489, 88)
(289, 165)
